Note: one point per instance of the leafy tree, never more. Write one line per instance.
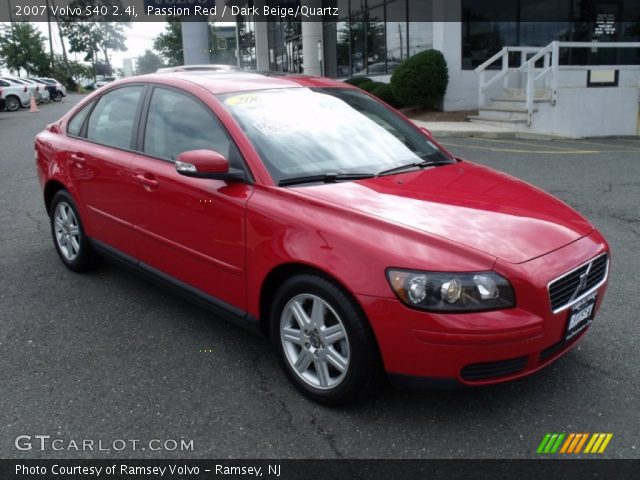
(22, 47)
(169, 43)
(103, 34)
(111, 37)
(149, 62)
(68, 71)
(82, 38)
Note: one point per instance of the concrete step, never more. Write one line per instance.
(506, 102)
(502, 114)
(495, 122)
(521, 93)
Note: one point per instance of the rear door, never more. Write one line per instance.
(99, 161)
(191, 229)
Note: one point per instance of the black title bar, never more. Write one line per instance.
(321, 10)
(118, 469)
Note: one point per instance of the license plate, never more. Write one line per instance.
(580, 316)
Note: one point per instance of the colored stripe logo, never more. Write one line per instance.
(573, 443)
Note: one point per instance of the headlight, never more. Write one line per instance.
(452, 292)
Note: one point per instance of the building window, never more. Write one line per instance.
(246, 35)
(366, 42)
(343, 55)
(489, 25)
(376, 49)
(420, 33)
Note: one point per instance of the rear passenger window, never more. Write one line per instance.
(177, 123)
(75, 125)
(112, 121)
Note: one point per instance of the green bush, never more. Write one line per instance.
(384, 93)
(370, 86)
(421, 80)
(355, 81)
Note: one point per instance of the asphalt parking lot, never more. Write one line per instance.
(109, 356)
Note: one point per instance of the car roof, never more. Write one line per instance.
(228, 82)
(12, 80)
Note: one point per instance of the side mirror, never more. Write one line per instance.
(206, 164)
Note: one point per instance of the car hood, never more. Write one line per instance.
(465, 203)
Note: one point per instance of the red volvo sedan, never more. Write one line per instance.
(310, 211)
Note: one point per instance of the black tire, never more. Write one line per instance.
(57, 96)
(77, 256)
(362, 376)
(13, 103)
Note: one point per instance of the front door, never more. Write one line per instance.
(191, 229)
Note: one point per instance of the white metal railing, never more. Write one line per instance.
(550, 56)
(502, 55)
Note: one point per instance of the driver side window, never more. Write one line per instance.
(178, 123)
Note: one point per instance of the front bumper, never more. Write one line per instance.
(433, 349)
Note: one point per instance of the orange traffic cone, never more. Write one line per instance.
(34, 107)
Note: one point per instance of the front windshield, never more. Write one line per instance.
(315, 131)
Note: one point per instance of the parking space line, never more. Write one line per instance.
(513, 150)
(627, 148)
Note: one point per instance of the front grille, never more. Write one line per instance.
(575, 284)
(485, 371)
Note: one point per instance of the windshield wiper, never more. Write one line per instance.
(423, 164)
(325, 178)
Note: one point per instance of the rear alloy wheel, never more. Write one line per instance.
(324, 342)
(69, 238)
(12, 104)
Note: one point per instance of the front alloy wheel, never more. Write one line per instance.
(323, 340)
(315, 341)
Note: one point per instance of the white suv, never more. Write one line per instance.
(16, 95)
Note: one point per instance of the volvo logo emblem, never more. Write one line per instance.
(583, 283)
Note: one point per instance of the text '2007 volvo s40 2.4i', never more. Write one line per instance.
(311, 211)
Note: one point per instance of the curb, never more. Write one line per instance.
(497, 135)
(470, 130)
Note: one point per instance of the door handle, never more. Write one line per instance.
(78, 158)
(147, 182)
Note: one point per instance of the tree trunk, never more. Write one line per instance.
(64, 49)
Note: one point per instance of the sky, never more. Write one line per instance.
(139, 37)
